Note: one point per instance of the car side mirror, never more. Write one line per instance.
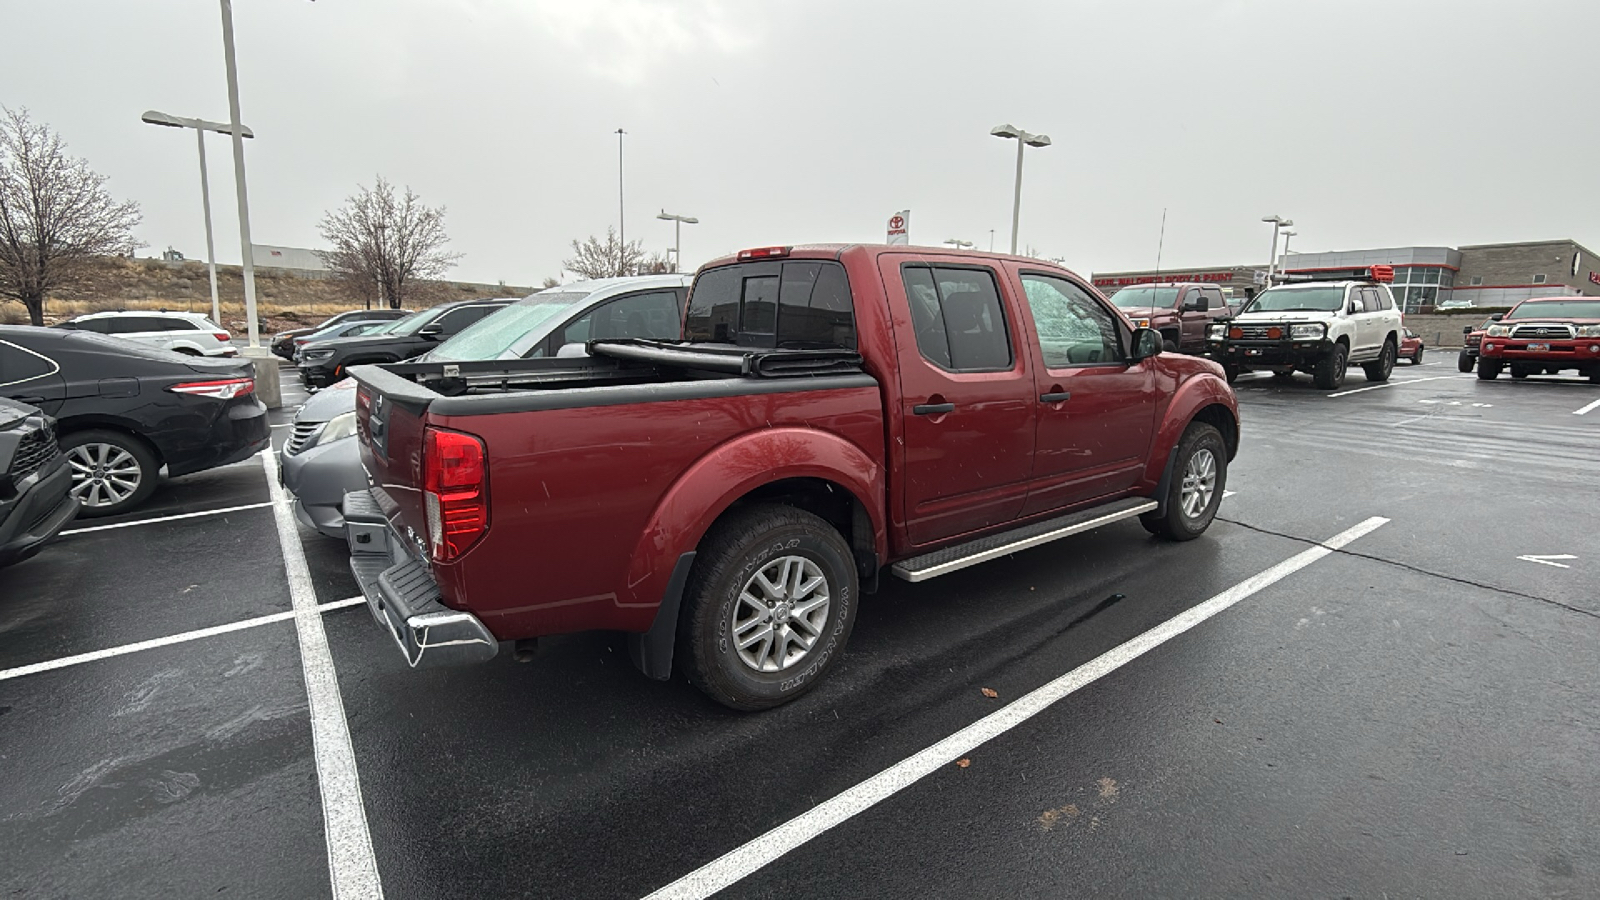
(572, 351)
(1146, 343)
(1466, 329)
(1354, 308)
(1198, 304)
(432, 330)
(1497, 317)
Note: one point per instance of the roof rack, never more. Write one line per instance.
(1374, 274)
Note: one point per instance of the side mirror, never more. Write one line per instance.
(1354, 308)
(1497, 317)
(570, 351)
(432, 330)
(1146, 343)
(1198, 304)
(1466, 329)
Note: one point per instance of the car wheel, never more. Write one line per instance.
(112, 471)
(1594, 376)
(1329, 373)
(1416, 358)
(1465, 362)
(1168, 345)
(771, 601)
(1199, 477)
(1489, 370)
(1232, 373)
(1384, 367)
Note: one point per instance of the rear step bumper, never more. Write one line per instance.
(943, 562)
(402, 596)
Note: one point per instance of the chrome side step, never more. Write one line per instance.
(950, 559)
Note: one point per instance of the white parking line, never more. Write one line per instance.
(352, 869)
(169, 640)
(1373, 387)
(193, 515)
(744, 860)
(1585, 411)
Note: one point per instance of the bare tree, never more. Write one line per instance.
(593, 259)
(386, 242)
(550, 282)
(55, 214)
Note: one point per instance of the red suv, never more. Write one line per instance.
(1544, 336)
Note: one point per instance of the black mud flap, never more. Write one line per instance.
(651, 651)
(1164, 486)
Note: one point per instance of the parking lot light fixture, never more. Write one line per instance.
(201, 126)
(677, 235)
(1272, 258)
(1023, 139)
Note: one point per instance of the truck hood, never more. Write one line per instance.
(1287, 316)
(1146, 312)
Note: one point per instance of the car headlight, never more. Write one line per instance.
(1141, 323)
(316, 355)
(338, 428)
(1217, 331)
(1499, 330)
(1589, 331)
(1310, 331)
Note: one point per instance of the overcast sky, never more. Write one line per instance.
(1369, 123)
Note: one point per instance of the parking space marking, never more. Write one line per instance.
(193, 515)
(169, 640)
(352, 868)
(1585, 411)
(1373, 387)
(742, 861)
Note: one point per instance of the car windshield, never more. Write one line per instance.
(494, 335)
(1557, 309)
(1141, 297)
(1321, 298)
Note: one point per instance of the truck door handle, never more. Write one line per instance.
(1055, 397)
(933, 409)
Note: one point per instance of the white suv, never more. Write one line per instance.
(1320, 327)
(183, 332)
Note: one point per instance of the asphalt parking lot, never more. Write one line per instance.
(1254, 713)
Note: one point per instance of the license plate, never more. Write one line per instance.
(1252, 352)
(1538, 348)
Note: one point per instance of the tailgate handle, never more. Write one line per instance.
(933, 409)
(1055, 397)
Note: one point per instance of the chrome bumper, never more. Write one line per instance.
(403, 597)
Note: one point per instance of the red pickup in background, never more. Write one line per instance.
(1545, 336)
(833, 412)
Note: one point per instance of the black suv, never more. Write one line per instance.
(283, 342)
(125, 410)
(35, 502)
(323, 362)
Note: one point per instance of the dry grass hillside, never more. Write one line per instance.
(284, 300)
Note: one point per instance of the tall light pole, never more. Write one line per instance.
(200, 126)
(959, 244)
(1272, 259)
(622, 226)
(1286, 236)
(1023, 138)
(991, 240)
(236, 129)
(677, 235)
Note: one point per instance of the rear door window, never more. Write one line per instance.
(794, 304)
(959, 321)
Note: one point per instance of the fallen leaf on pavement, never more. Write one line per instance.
(963, 762)
(991, 693)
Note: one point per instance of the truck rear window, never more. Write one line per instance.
(795, 304)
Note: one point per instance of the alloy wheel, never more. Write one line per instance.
(780, 614)
(103, 474)
(1199, 483)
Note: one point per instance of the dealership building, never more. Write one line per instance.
(1425, 278)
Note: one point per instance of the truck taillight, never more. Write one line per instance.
(456, 492)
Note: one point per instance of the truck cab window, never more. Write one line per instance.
(960, 324)
(1074, 329)
(798, 304)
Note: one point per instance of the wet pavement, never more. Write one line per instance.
(1413, 715)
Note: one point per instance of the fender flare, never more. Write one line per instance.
(659, 567)
(1193, 395)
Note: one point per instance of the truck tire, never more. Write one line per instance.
(112, 471)
(1329, 372)
(1231, 372)
(1416, 358)
(1384, 367)
(1519, 372)
(769, 577)
(1488, 369)
(1169, 344)
(1199, 476)
(1594, 376)
(1465, 363)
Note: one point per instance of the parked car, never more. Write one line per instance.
(324, 362)
(321, 460)
(283, 342)
(125, 411)
(1318, 325)
(1472, 338)
(1547, 335)
(343, 329)
(181, 332)
(35, 486)
(1182, 312)
(1411, 347)
(833, 413)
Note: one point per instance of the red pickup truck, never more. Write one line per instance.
(833, 412)
(1543, 336)
(1181, 311)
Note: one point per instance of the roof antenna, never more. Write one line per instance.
(1161, 242)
